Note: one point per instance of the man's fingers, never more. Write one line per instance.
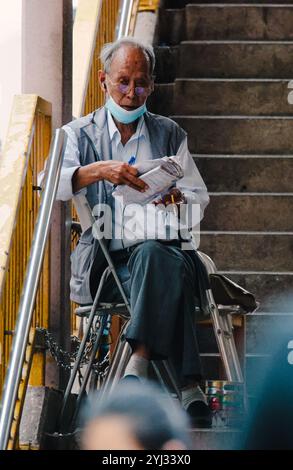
(134, 181)
(131, 169)
(129, 182)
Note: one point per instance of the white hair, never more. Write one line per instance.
(108, 51)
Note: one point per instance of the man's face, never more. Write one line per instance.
(129, 67)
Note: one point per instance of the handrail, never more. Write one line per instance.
(29, 290)
(127, 18)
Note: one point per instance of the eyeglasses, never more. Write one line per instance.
(124, 88)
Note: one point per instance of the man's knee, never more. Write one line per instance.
(149, 247)
(155, 254)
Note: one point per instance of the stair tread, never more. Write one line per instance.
(236, 117)
(249, 251)
(240, 156)
(236, 5)
(235, 41)
(215, 79)
(238, 134)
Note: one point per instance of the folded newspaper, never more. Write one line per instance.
(159, 174)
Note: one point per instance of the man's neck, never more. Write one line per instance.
(126, 130)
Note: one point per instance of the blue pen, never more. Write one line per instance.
(131, 161)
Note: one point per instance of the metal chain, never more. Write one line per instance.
(65, 359)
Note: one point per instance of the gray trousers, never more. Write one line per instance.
(160, 280)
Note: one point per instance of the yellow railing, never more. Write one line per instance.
(24, 154)
(106, 33)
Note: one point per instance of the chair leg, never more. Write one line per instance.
(82, 346)
(228, 326)
(118, 363)
(105, 322)
(224, 335)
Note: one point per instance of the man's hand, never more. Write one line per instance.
(174, 196)
(122, 173)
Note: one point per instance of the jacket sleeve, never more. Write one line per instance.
(192, 184)
(71, 163)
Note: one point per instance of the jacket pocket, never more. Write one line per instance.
(81, 259)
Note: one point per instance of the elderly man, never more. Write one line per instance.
(162, 280)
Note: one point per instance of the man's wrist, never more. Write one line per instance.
(99, 171)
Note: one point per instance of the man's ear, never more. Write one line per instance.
(102, 80)
(152, 87)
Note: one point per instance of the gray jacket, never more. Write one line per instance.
(94, 145)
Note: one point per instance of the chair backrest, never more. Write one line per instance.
(208, 262)
(83, 210)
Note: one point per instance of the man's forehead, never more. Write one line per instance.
(129, 57)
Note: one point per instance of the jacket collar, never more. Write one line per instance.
(97, 131)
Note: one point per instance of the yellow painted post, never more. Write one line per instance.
(17, 412)
(148, 5)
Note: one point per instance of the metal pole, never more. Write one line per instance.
(27, 300)
(125, 18)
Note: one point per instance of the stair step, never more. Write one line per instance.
(237, 212)
(161, 100)
(247, 252)
(270, 288)
(166, 63)
(171, 26)
(239, 135)
(259, 331)
(262, 330)
(216, 439)
(235, 59)
(242, 21)
(183, 3)
(232, 97)
(246, 173)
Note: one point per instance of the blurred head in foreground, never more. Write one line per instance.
(135, 417)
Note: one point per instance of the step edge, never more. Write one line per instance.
(233, 5)
(253, 194)
(232, 41)
(258, 80)
(237, 156)
(244, 273)
(236, 117)
(251, 233)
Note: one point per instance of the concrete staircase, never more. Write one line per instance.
(223, 74)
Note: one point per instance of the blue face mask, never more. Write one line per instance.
(122, 115)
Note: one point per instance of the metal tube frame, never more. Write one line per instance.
(82, 345)
(125, 18)
(225, 340)
(105, 322)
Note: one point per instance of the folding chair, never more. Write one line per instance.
(99, 316)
